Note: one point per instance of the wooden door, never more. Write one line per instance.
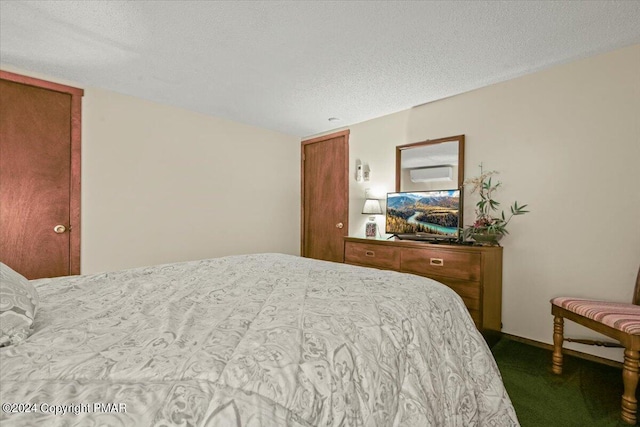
(39, 176)
(325, 196)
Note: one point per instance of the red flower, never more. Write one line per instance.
(483, 222)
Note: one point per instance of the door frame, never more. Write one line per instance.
(345, 134)
(76, 139)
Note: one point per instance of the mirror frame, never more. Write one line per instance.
(459, 138)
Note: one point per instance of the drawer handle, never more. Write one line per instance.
(436, 261)
(370, 253)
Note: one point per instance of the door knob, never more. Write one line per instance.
(339, 225)
(60, 229)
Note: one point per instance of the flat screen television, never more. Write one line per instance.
(424, 215)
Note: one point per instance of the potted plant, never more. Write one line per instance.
(487, 227)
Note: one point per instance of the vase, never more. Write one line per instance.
(487, 238)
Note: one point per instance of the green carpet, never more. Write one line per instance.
(586, 394)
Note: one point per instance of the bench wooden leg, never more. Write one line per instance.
(558, 338)
(630, 381)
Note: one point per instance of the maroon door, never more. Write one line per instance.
(325, 196)
(36, 180)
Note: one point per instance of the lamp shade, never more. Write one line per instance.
(372, 207)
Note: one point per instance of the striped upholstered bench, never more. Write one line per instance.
(619, 321)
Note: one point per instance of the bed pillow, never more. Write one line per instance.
(18, 306)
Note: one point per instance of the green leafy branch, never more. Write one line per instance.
(485, 221)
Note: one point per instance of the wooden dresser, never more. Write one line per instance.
(474, 272)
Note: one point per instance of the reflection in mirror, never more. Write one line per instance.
(430, 165)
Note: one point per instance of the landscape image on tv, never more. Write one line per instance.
(428, 212)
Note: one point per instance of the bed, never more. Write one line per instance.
(252, 340)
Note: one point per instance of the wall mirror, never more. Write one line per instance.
(436, 164)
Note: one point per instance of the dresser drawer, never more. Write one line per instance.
(372, 255)
(437, 262)
(468, 291)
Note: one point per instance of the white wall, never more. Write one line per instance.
(567, 142)
(162, 184)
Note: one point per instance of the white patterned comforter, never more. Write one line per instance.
(258, 340)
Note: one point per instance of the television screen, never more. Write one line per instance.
(424, 214)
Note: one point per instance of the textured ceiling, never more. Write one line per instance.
(289, 66)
